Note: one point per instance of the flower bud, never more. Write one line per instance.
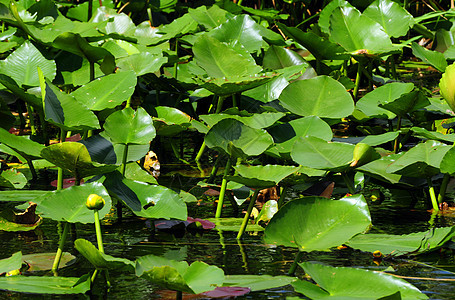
(95, 202)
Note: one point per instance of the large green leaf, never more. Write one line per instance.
(387, 93)
(107, 92)
(227, 86)
(278, 58)
(64, 110)
(354, 31)
(350, 283)
(413, 243)
(447, 87)
(21, 65)
(197, 278)
(219, 60)
(406, 103)
(257, 121)
(238, 139)
(170, 121)
(45, 285)
(287, 133)
(148, 201)
(30, 99)
(69, 204)
(130, 127)
(318, 223)
(434, 58)
(433, 135)
(100, 260)
(325, 15)
(448, 162)
(395, 20)
(378, 168)
(209, 18)
(75, 158)
(21, 144)
(142, 63)
(321, 96)
(316, 153)
(261, 176)
(11, 263)
(372, 140)
(422, 160)
(258, 282)
(242, 31)
(320, 47)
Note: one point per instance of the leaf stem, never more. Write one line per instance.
(434, 201)
(61, 243)
(348, 183)
(443, 188)
(396, 145)
(298, 257)
(248, 213)
(357, 80)
(99, 236)
(223, 188)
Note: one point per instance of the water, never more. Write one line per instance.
(134, 238)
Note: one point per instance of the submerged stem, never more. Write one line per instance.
(248, 213)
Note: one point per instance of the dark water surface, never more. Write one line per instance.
(134, 238)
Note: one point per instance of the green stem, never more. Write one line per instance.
(179, 295)
(234, 100)
(396, 145)
(282, 196)
(348, 183)
(244, 257)
(223, 188)
(248, 213)
(393, 68)
(32, 168)
(357, 80)
(443, 188)
(219, 104)
(200, 152)
(92, 279)
(92, 65)
(298, 257)
(60, 170)
(99, 236)
(215, 168)
(90, 10)
(30, 112)
(434, 201)
(318, 67)
(128, 103)
(176, 53)
(370, 75)
(61, 243)
(124, 159)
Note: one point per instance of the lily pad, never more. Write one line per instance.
(45, 285)
(321, 96)
(350, 283)
(261, 176)
(100, 260)
(414, 243)
(11, 263)
(69, 204)
(197, 278)
(44, 261)
(258, 282)
(318, 223)
(257, 121)
(233, 224)
(21, 144)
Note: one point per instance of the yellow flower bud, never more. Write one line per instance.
(95, 202)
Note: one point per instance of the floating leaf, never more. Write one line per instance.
(100, 260)
(261, 176)
(107, 92)
(21, 65)
(350, 283)
(258, 282)
(321, 96)
(257, 121)
(45, 261)
(69, 204)
(414, 243)
(130, 127)
(21, 144)
(11, 263)
(233, 224)
(316, 153)
(318, 223)
(179, 276)
(142, 63)
(45, 285)
(237, 139)
(436, 59)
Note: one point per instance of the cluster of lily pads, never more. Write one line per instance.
(264, 96)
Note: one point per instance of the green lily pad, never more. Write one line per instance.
(11, 263)
(447, 163)
(130, 127)
(197, 278)
(372, 140)
(261, 176)
(316, 153)
(107, 92)
(69, 204)
(21, 144)
(321, 96)
(318, 223)
(13, 178)
(433, 135)
(233, 224)
(406, 103)
(257, 121)
(21, 65)
(75, 158)
(170, 121)
(237, 139)
(350, 283)
(100, 260)
(142, 63)
(414, 243)
(7, 225)
(258, 282)
(45, 285)
(433, 58)
(422, 160)
(44, 261)
(378, 168)
(395, 20)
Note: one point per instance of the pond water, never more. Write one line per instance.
(430, 273)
